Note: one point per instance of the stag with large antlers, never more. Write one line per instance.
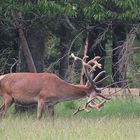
(47, 89)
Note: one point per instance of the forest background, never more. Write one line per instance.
(54, 29)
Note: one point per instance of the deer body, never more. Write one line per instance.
(44, 88)
(48, 89)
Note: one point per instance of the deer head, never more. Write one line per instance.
(89, 69)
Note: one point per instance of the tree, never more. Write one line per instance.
(33, 12)
(119, 13)
(37, 13)
(23, 41)
(96, 47)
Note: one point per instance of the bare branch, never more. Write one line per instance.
(15, 63)
(125, 51)
(101, 37)
(5, 56)
(69, 23)
(123, 81)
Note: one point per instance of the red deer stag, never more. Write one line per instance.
(45, 89)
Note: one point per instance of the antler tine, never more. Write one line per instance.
(87, 103)
(75, 57)
(96, 64)
(82, 60)
(84, 108)
(91, 103)
(79, 110)
(78, 58)
(97, 106)
(88, 64)
(98, 75)
(94, 61)
(102, 79)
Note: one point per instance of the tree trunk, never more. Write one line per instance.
(85, 47)
(98, 50)
(23, 42)
(119, 35)
(64, 49)
(64, 63)
(35, 39)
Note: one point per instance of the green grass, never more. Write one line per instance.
(71, 129)
(118, 120)
(120, 107)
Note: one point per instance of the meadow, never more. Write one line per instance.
(118, 120)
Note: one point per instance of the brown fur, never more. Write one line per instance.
(41, 88)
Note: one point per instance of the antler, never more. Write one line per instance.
(85, 108)
(91, 104)
(89, 69)
(87, 66)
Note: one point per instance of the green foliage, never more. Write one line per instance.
(136, 57)
(101, 10)
(52, 49)
(43, 7)
(134, 80)
(96, 10)
(8, 49)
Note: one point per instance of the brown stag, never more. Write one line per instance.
(47, 89)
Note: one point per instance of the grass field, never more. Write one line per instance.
(118, 120)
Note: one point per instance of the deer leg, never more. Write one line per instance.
(51, 110)
(40, 108)
(2, 108)
(7, 103)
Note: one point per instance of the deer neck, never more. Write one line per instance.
(77, 92)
